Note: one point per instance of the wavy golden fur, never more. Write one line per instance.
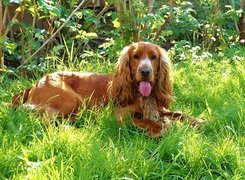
(124, 86)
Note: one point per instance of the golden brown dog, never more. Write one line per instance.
(140, 86)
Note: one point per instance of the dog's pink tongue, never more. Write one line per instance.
(145, 88)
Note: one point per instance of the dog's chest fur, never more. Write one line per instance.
(148, 106)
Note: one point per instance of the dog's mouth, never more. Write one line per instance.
(145, 88)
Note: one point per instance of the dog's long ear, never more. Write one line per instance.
(121, 85)
(163, 89)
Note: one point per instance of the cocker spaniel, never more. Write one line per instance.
(140, 86)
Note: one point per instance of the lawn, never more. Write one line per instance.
(210, 88)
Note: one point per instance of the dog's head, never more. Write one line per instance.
(142, 68)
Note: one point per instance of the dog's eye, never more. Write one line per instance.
(136, 57)
(153, 57)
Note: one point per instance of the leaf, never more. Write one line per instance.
(91, 35)
(11, 23)
(10, 47)
(57, 48)
(116, 23)
(3, 39)
(51, 7)
(79, 15)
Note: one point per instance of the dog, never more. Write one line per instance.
(140, 86)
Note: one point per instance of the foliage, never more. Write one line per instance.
(197, 22)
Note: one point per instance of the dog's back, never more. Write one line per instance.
(64, 93)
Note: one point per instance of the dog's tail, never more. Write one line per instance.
(19, 98)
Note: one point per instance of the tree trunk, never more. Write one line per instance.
(242, 23)
(1, 33)
(150, 6)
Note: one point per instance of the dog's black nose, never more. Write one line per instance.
(145, 72)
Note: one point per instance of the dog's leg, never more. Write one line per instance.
(121, 112)
(179, 116)
(153, 128)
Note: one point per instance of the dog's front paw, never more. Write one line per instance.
(155, 130)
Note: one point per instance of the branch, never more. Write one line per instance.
(162, 27)
(1, 17)
(150, 6)
(99, 16)
(8, 28)
(56, 32)
(1, 31)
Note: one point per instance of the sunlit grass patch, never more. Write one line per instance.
(194, 150)
(58, 148)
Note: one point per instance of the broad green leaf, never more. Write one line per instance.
(57, 48)
(116, 23)
(10, 46)
(3, 39)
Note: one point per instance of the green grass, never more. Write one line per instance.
(94, 148)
